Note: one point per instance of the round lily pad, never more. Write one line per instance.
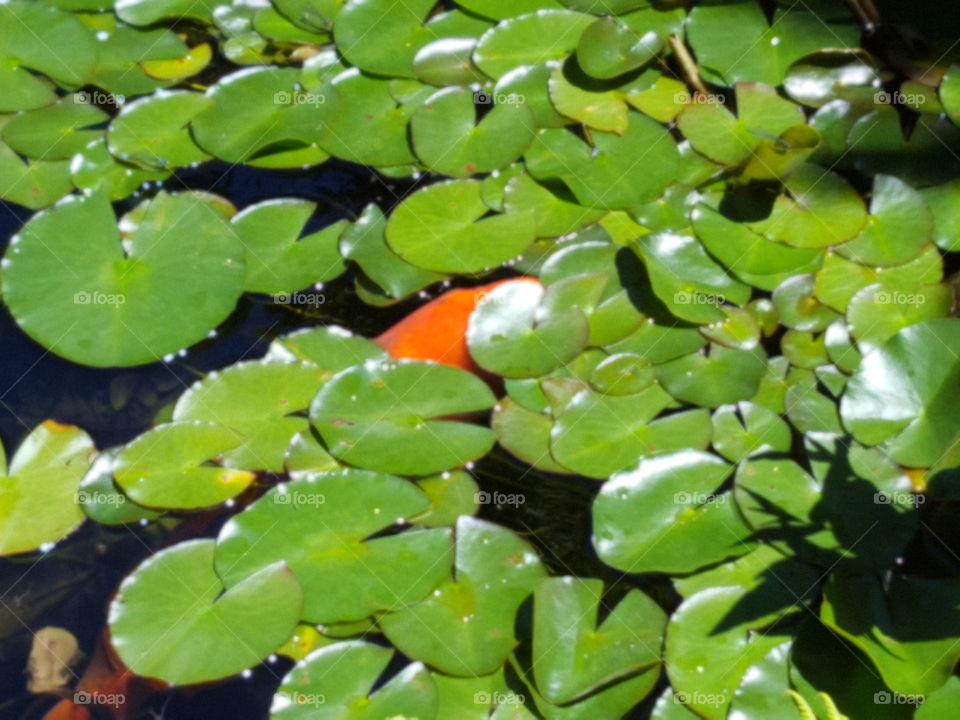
(153, 132)
(172, 619)
(722, 377)
(54, 132)
(608, 48)
(168, 466)
(903, 394)
(879, 311)
(442, 228)
(337, 683)
(529, 39)
(399, 34)
(332, 348)
(128, 300)
(688, 523)
(746, 429)
(512, 334)
(321, 527)
(38, 492)
(390, 416)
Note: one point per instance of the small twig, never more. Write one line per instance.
(687, 65)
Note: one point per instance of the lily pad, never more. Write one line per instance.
(278, 259)
(154, 132)
(746, 429)
(399, 34)
(116, 300)
(321, 527)
(471, 614)
(34, 184)
(529, 39)
(709, 380)
(442, 228)
(169, 466)
(688, 525)
(172, 619)
(336, 682)
(54, 132)
(609, 48)
(38, 492)
(381, 416)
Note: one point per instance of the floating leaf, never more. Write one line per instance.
(123, 300)
(746, 429)
(172, 618)
(321, 527)
(608, 48)
(442, 228)
(153, 132)
(38, 493)
(380, 416)
(337, 682)
(722, 377)
(54, 132)
(529, 39)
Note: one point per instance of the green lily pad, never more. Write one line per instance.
(103, 501)
(442, 228)
(381, 416)
(123, 301)
(939, 704)
(447, 61)
(735, 43)
(818, 209)
(504, 9)
(153, 132)
(172, 618)
(94, 170)
(804, 349)
(553, 215)
(688, 524)
(337, 681)
(365, 243)
(738, 330)
(35, 184)
(797, 307)
(448, 138)
(616, 171)
(907, 629)
(599, 104)
(54, 132)
(513, 333)
(399, 34)
(902, 394)
(278, 259)
(451, 495)
(321, 527)
(721, 377)
(746, 429)
(944, 202)
(169, 466)
(529, 39)
(471, 614)
(147, 12)
(899, 226)
(877, 312)
(258, 401)
(827, 75)
(574, 654)
(332, 348)
(622, 374)
(46, 40)
(525, 433)
(259, 115)
(38, 492)
(716, 133)
(608, 48)
(597, 435)
(531, 83)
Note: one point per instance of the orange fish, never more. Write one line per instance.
(438, 330)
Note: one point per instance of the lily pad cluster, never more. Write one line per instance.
(736, 224)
